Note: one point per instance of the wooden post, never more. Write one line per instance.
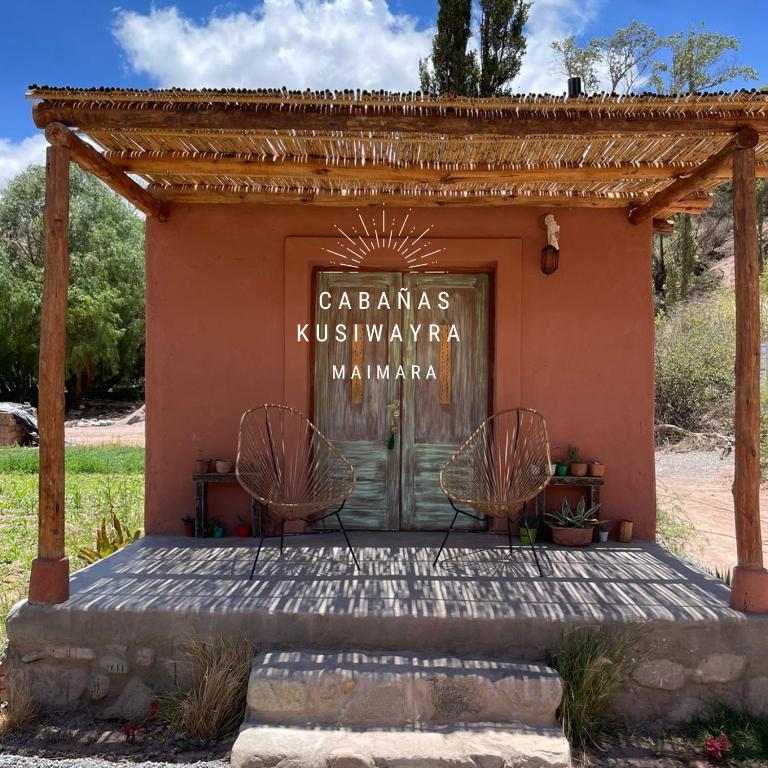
(49, 579)
(749, 590)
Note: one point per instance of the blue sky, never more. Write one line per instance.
(315, 43)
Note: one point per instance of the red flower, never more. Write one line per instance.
(129, 729)
(153, 709)
(717, 746)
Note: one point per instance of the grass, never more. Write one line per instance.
(19, 713)
(100, 479)
(747, 734)
(674, 528)
(214, 705)
(592, 664)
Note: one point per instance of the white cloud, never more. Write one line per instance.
(15, 157)
(550, 20)
(293, 43)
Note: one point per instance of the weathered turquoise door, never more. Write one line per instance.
(400, 387)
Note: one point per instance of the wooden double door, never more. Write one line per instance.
(401, 380)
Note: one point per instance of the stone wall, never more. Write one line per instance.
(116, 666)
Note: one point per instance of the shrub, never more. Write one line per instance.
(747, 734)
(214, 705)
(108, 542)
(19, 712)
(695, 350)
(592, 664)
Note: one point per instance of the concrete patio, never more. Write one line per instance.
(136, 608)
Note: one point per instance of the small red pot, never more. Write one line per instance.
(243, 531)
(189, 530)
(572, 537)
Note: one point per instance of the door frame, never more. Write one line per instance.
(500, 257)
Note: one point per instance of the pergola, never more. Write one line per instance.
(651, 155)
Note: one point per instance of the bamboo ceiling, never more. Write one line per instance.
(360, 147)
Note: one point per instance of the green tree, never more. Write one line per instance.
(453, 68)
(699, 61)
(502, 43)
(575, 61)
(630, 56)
(105, 322)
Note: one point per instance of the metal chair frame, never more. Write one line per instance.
(277, 477)
(491, 504)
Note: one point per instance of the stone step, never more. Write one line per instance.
(356, 689)
(479, 746)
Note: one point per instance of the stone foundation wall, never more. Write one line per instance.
(116, 666)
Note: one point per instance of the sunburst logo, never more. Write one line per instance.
(382, 232)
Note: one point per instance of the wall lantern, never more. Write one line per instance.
(550, 253)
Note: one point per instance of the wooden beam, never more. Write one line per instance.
(219, 195)
(49, 578)
(212, 164)
(749, 589)
(663, 226)
(94, 162)
(218, 116)
(707, 172)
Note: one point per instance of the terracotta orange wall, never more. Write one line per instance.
(215, 339)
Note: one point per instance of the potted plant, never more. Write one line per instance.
(596, 468)
(528, 528)
(573, 528)
(214, 528)
(243, 530)
(602, 533)
(189, 525)
(576, 466)
(201, 465)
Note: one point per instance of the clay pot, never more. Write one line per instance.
(189, 530)
(597, 470)
(571, 537)
(578, 469)
(224, 467)
(243, 531)
(202, 466)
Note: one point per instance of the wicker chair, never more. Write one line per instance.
(503, 465)
(285, 463)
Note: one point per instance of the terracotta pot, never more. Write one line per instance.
(202, 466)
(243, 531)
(597, 470)
(189, 530)
(571, 537)
(224, 467)
(578, 469)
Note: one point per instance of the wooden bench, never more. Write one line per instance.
(201, 480)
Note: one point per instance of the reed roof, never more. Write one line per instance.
(276, 145)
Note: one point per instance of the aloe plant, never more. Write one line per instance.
(567, 517)
(108, 541)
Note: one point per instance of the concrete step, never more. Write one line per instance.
(360, 690)
(267, 746)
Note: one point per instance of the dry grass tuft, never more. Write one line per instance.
(19, 712)
(592, 663)
(214, 706)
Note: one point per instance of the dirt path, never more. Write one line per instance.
(697, 485)
(120, 434)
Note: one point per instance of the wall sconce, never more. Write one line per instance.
(550, 253)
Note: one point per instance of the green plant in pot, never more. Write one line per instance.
(561, 466)
(576, 466)
(214, 528)
(528, 527)
(243, 530)
(189, 525)
(573, 527)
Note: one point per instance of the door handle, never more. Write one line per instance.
(394, 427)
